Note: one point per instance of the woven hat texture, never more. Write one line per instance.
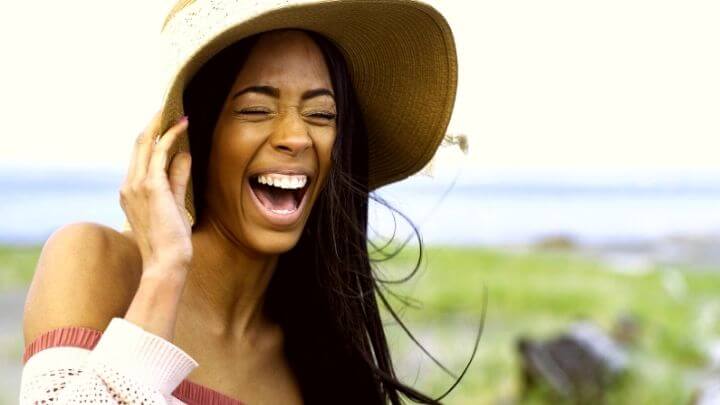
(400, 53)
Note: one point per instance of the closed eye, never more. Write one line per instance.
(321, 115)
(326, 116)
(256, 112)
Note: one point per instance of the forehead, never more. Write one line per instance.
(285, 59)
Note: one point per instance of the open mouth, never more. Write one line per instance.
(280, 194)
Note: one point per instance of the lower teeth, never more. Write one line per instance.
(282, 212)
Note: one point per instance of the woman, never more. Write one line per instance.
(252, 279)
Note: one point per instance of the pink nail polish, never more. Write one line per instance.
(183, 119)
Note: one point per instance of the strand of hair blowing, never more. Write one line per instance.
(323, 292)
(341, 239)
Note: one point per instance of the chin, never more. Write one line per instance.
(270, 242)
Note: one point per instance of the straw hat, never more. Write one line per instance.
(400, 53)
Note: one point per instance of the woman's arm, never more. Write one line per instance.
(80, 280)
(155, 304)
(128, 365)
(72, 277)
(153, 198)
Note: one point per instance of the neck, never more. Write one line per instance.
(226, 284)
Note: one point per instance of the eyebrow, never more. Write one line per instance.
(275, 92)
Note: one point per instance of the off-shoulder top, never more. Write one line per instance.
(125, 364)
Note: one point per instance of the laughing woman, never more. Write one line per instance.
(243, 273)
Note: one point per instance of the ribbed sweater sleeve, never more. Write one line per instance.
(127, 366)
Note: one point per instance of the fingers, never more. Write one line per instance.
(158, 166)
(144, 195)
(178, 176)
(142, 149)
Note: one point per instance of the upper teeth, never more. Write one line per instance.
(291, 181)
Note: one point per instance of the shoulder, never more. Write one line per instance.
(86, 274)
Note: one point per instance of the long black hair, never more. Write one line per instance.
(323, 292)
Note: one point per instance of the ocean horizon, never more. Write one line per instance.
(481, 208)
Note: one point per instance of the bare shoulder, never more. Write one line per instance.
(86, 274)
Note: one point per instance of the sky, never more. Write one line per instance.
(551, 85)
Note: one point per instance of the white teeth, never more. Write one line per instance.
(288, 181)
(282, 212)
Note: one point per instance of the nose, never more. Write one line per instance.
(290, 135)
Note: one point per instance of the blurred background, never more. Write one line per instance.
(581, 201)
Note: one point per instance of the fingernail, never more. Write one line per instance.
(183, 119)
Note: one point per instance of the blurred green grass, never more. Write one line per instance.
(17, 264)
(540, 293)
(531, 293)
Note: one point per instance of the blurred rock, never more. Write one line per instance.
(578, 365)
(556, 242)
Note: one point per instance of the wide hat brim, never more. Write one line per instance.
(401, 56)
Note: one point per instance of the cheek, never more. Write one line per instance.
(324, 143)
(323, 149)
(232, 154)
(241, 142)
(239, 138)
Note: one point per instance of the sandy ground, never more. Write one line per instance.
(11, 344)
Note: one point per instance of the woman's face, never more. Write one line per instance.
(271, 149)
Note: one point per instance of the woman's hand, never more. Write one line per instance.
(153, 198)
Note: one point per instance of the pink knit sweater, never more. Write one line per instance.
(124, 365)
